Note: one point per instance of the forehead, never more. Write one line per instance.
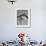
(19, 12)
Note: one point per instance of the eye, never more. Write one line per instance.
(24, 16)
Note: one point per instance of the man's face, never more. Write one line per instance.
(22, 20)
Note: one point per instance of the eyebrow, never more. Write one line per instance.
(22, 15)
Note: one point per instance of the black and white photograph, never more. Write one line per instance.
(23, 17)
